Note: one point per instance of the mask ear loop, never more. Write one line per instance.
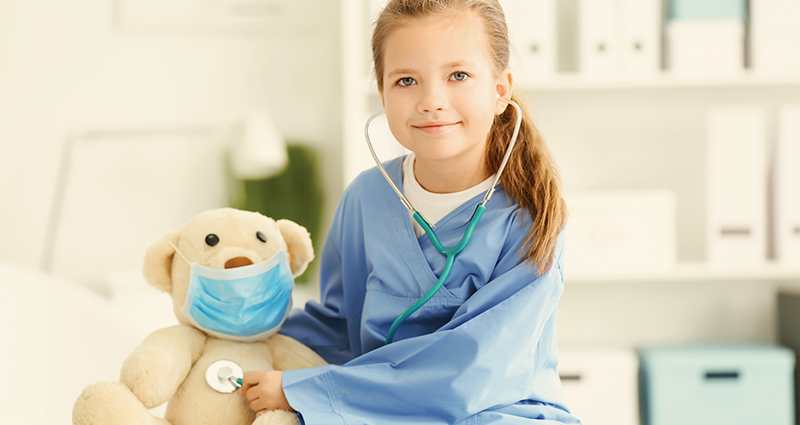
(179, 253)
(180, 307)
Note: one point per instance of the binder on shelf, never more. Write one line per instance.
(532, 28)
(736, 186)
(567, 35)
(641, 38)
(619, 38)
(705, 48)
(775, 37)
(600, 55)
(787, 187)
(706, 38)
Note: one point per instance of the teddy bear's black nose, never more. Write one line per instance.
(237, 262)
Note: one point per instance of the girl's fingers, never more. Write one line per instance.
(257, 405)
(252, 377)
(252, 394)
(243, 390)
(250, 380)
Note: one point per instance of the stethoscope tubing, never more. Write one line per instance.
(450, 253)
(403, 198)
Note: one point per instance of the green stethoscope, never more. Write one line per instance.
(473, 222)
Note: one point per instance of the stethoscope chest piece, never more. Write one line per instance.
(224, 376)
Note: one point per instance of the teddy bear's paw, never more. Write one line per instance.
(277, 417)
(110, 403)
(149, 373)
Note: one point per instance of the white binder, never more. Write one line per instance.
(641, 38)
(620, 38)
(775, 37)
(532, 27)
(736, 186)
(787, 187)
(705, 48)
(600, 56)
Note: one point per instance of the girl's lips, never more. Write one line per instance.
(435, 127)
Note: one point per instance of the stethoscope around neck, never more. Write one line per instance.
(450, 253)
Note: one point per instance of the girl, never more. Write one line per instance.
(483, 348)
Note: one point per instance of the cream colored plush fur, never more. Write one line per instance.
(171, 363)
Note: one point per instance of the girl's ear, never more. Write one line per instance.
(503, 87)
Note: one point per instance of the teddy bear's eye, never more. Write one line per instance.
(212, 239)
(262, 237)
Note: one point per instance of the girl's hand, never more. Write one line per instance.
(264, 389)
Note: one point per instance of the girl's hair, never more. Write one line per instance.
(531, 176)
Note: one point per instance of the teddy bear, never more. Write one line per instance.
(230, 275)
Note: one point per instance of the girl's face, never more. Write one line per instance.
(440, 90)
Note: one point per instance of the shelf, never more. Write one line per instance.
(692, 272)
(576, 82)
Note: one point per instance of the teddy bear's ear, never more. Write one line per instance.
(158, 263)
(298, 242)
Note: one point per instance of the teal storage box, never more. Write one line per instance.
(702, 385)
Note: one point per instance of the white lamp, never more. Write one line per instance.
(258, 151)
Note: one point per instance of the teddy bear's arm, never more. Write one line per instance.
(288, 354)
(155, 370)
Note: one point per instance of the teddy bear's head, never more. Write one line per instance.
(223, 239)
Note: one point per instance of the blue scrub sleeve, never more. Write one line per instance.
(323, 327)
(486, 357)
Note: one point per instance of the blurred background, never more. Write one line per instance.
(676, 125)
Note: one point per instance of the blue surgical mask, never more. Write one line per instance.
(242, 304)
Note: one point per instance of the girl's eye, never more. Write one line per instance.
(405, 82)
(459, 76)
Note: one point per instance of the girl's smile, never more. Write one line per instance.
(436, 127)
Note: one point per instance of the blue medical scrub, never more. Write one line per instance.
(482, 350)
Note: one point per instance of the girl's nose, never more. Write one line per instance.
(432, 100)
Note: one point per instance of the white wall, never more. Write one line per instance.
(72, 65)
